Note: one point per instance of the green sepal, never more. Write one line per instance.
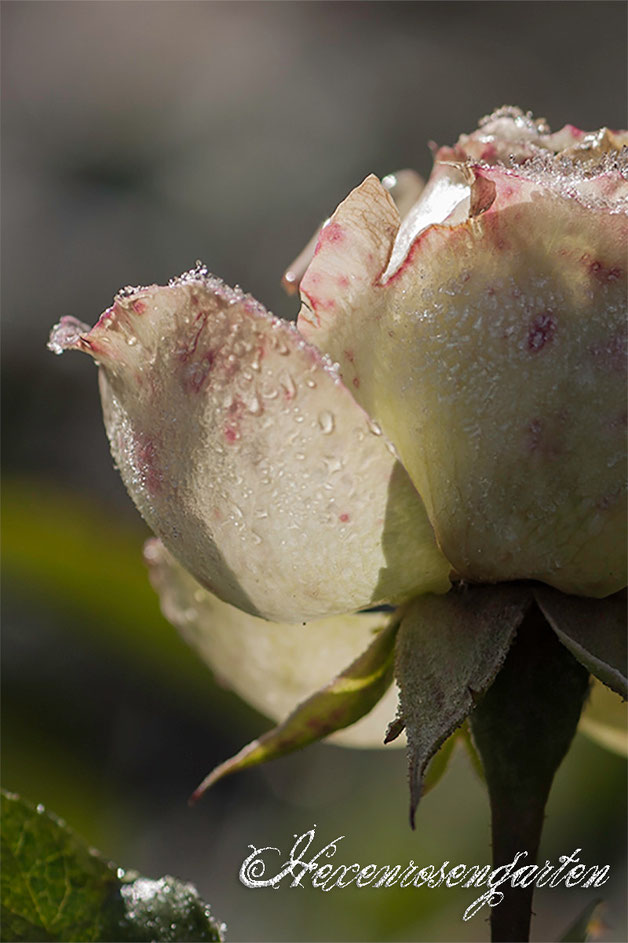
(594, 631)
(351, 695)
(582, 929)
(605, 719)
(448, 651)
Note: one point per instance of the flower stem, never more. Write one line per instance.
(522, 729)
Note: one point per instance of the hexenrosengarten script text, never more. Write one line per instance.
(326, 877)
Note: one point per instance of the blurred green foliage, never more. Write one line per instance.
(75, 586)
(60, 546)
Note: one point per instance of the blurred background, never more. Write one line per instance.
(137, 138)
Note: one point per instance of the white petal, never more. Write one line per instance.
(494, 359)
(272, 666)
(250, 459)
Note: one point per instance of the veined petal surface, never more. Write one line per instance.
(494, 358)
(246, 454)
(272, 666)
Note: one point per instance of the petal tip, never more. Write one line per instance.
(69, 334)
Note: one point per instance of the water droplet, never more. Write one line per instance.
(132, 340)
(332, 463)
(374, 427)
(289, 385)
(300, 456)
(262, 515)
(255, 538)
(254, 406)
(237, 510)
(326, 422)
(41, 809)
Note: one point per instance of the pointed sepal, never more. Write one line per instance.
(594, 631)
(448, 651)
(605, 719)
(585, 925)
(351, 695)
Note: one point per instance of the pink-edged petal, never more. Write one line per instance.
(510, 137)
(272, 666)
(494, 359)
(247, 455)
(404, 187)
(451, 196)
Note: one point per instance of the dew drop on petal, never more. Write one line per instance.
(326, 422)
(288, 385)
(254, 406)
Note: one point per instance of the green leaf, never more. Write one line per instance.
(448, 651)
(351, 695)
(594, 631)
(55, 888)
(164, 910)
(522, 729)
(582, 928)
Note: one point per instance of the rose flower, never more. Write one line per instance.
(448, 411)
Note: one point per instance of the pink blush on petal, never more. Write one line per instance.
(541, 331)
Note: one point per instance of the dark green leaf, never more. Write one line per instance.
(448, 651)
(580, 929)
(166, 910)
(522, 728)
(594, 631)
(54, 888)
(342, 702)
